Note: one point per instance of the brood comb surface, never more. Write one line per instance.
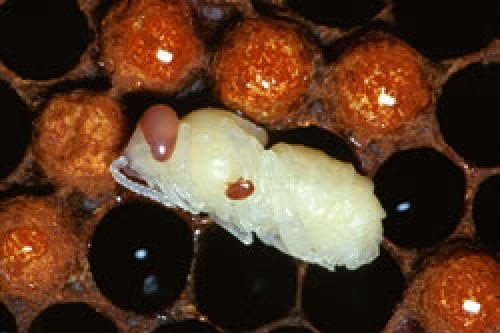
(411, 105)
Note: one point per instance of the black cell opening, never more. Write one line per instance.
(447, 28)
(7, 320)
(241, 287)
(291, 330)
(318, 138)
(357, 301)
(71, 317)
(41, 40)
(468, 112)
(338, 13)
(140, 255)
(189, 326)
(422, 193)
(15, 129)
(487, 213)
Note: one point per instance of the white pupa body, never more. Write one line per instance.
(304, 202)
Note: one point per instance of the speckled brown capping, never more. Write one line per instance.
(150, 45)
(77, 136)
(316, 108)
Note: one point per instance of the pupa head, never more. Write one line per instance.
(159, 125)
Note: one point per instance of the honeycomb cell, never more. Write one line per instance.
(189, 326)
(241, 287)
(378, 85)
(136, 103)
(71, 317)
(422, 193)
(357, 301)
(263, 69)
(150, 45)
(49, 38)
(468, 116)
(317, 138)
(36, 252)
(7, 320)
(447, 28)
(78, 135)
(344, 13)
(213, 17)
(487, 213)
(15, 129)
(140, 256)
(461, 294)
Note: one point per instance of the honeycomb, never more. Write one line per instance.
(407, 91)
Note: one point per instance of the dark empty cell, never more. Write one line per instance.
(140, 255)
(358, 301)
(7, 321)
(422, 193)
(15, 129)
(487, 213)
(197, 95)
(71, 317)
(214, 20)
(190, 326)
(267, 7)
(468, 112)
(95, 84)
(136, 103)
(240, 287)
(447, 28)
(342, 13)
(42, 39)
(318, 138)
(290, 330)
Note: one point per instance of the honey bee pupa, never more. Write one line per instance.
(302, 201)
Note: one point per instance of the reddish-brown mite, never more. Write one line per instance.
(160, 124)
(240, 189)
